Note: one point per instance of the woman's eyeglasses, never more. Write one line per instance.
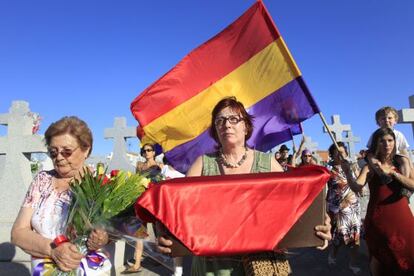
(53, 152)
(233, 120)
(147, 150)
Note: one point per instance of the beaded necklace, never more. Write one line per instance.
(228, 164)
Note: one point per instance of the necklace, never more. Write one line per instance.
(228, 164)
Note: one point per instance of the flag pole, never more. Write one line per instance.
(329, 130)
(293, 139)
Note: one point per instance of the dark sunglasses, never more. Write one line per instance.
(307, 155)
(146, 150)
(53, 153)
(233, 120)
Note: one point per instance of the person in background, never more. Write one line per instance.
(387, 116)
(231, 127)
(292, 160)
(306, 158)
(45, 208)
(152, 170)
(389, 222)
(277, 155)
(150, 167)
(285, 160)
(344, 208)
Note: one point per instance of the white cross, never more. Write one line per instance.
(309, 144)
(406, 115)
(337, 128)
(350, 139)
(120, 132)
(16, 148)
(19, 143)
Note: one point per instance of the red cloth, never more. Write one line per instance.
(389, 226)
(232, 214)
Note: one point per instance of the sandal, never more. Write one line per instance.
(131, 269)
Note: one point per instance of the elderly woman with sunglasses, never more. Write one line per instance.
(231, 127)
(45, 208)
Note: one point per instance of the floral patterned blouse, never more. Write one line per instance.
(50, 206)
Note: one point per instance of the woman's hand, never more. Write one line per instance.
(97, 239)
(164, 245)
(66, 256)
(324, 232)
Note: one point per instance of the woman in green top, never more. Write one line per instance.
(231, 127)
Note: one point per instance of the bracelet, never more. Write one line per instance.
(394, 174)
(59, 240)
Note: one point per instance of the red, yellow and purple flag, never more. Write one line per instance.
(248, 60)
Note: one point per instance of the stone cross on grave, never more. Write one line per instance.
(337, 128)
(120, 132)
(350, 139)
(17, 147)
(406, 115)
(309, 144)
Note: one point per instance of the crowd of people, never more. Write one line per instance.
(388, 225)
(385, 166)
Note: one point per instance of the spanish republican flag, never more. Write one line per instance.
(248, 60)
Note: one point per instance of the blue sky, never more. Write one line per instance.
(92, 58)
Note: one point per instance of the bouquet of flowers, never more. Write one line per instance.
(96, 203)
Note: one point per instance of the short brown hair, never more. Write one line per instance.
(383, 112)
(73, 126)
(236, 106)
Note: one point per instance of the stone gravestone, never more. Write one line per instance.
(120, 132)
(406, 116)
(350, 139)
(16, 146)
(310, 144)
(337, 127)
